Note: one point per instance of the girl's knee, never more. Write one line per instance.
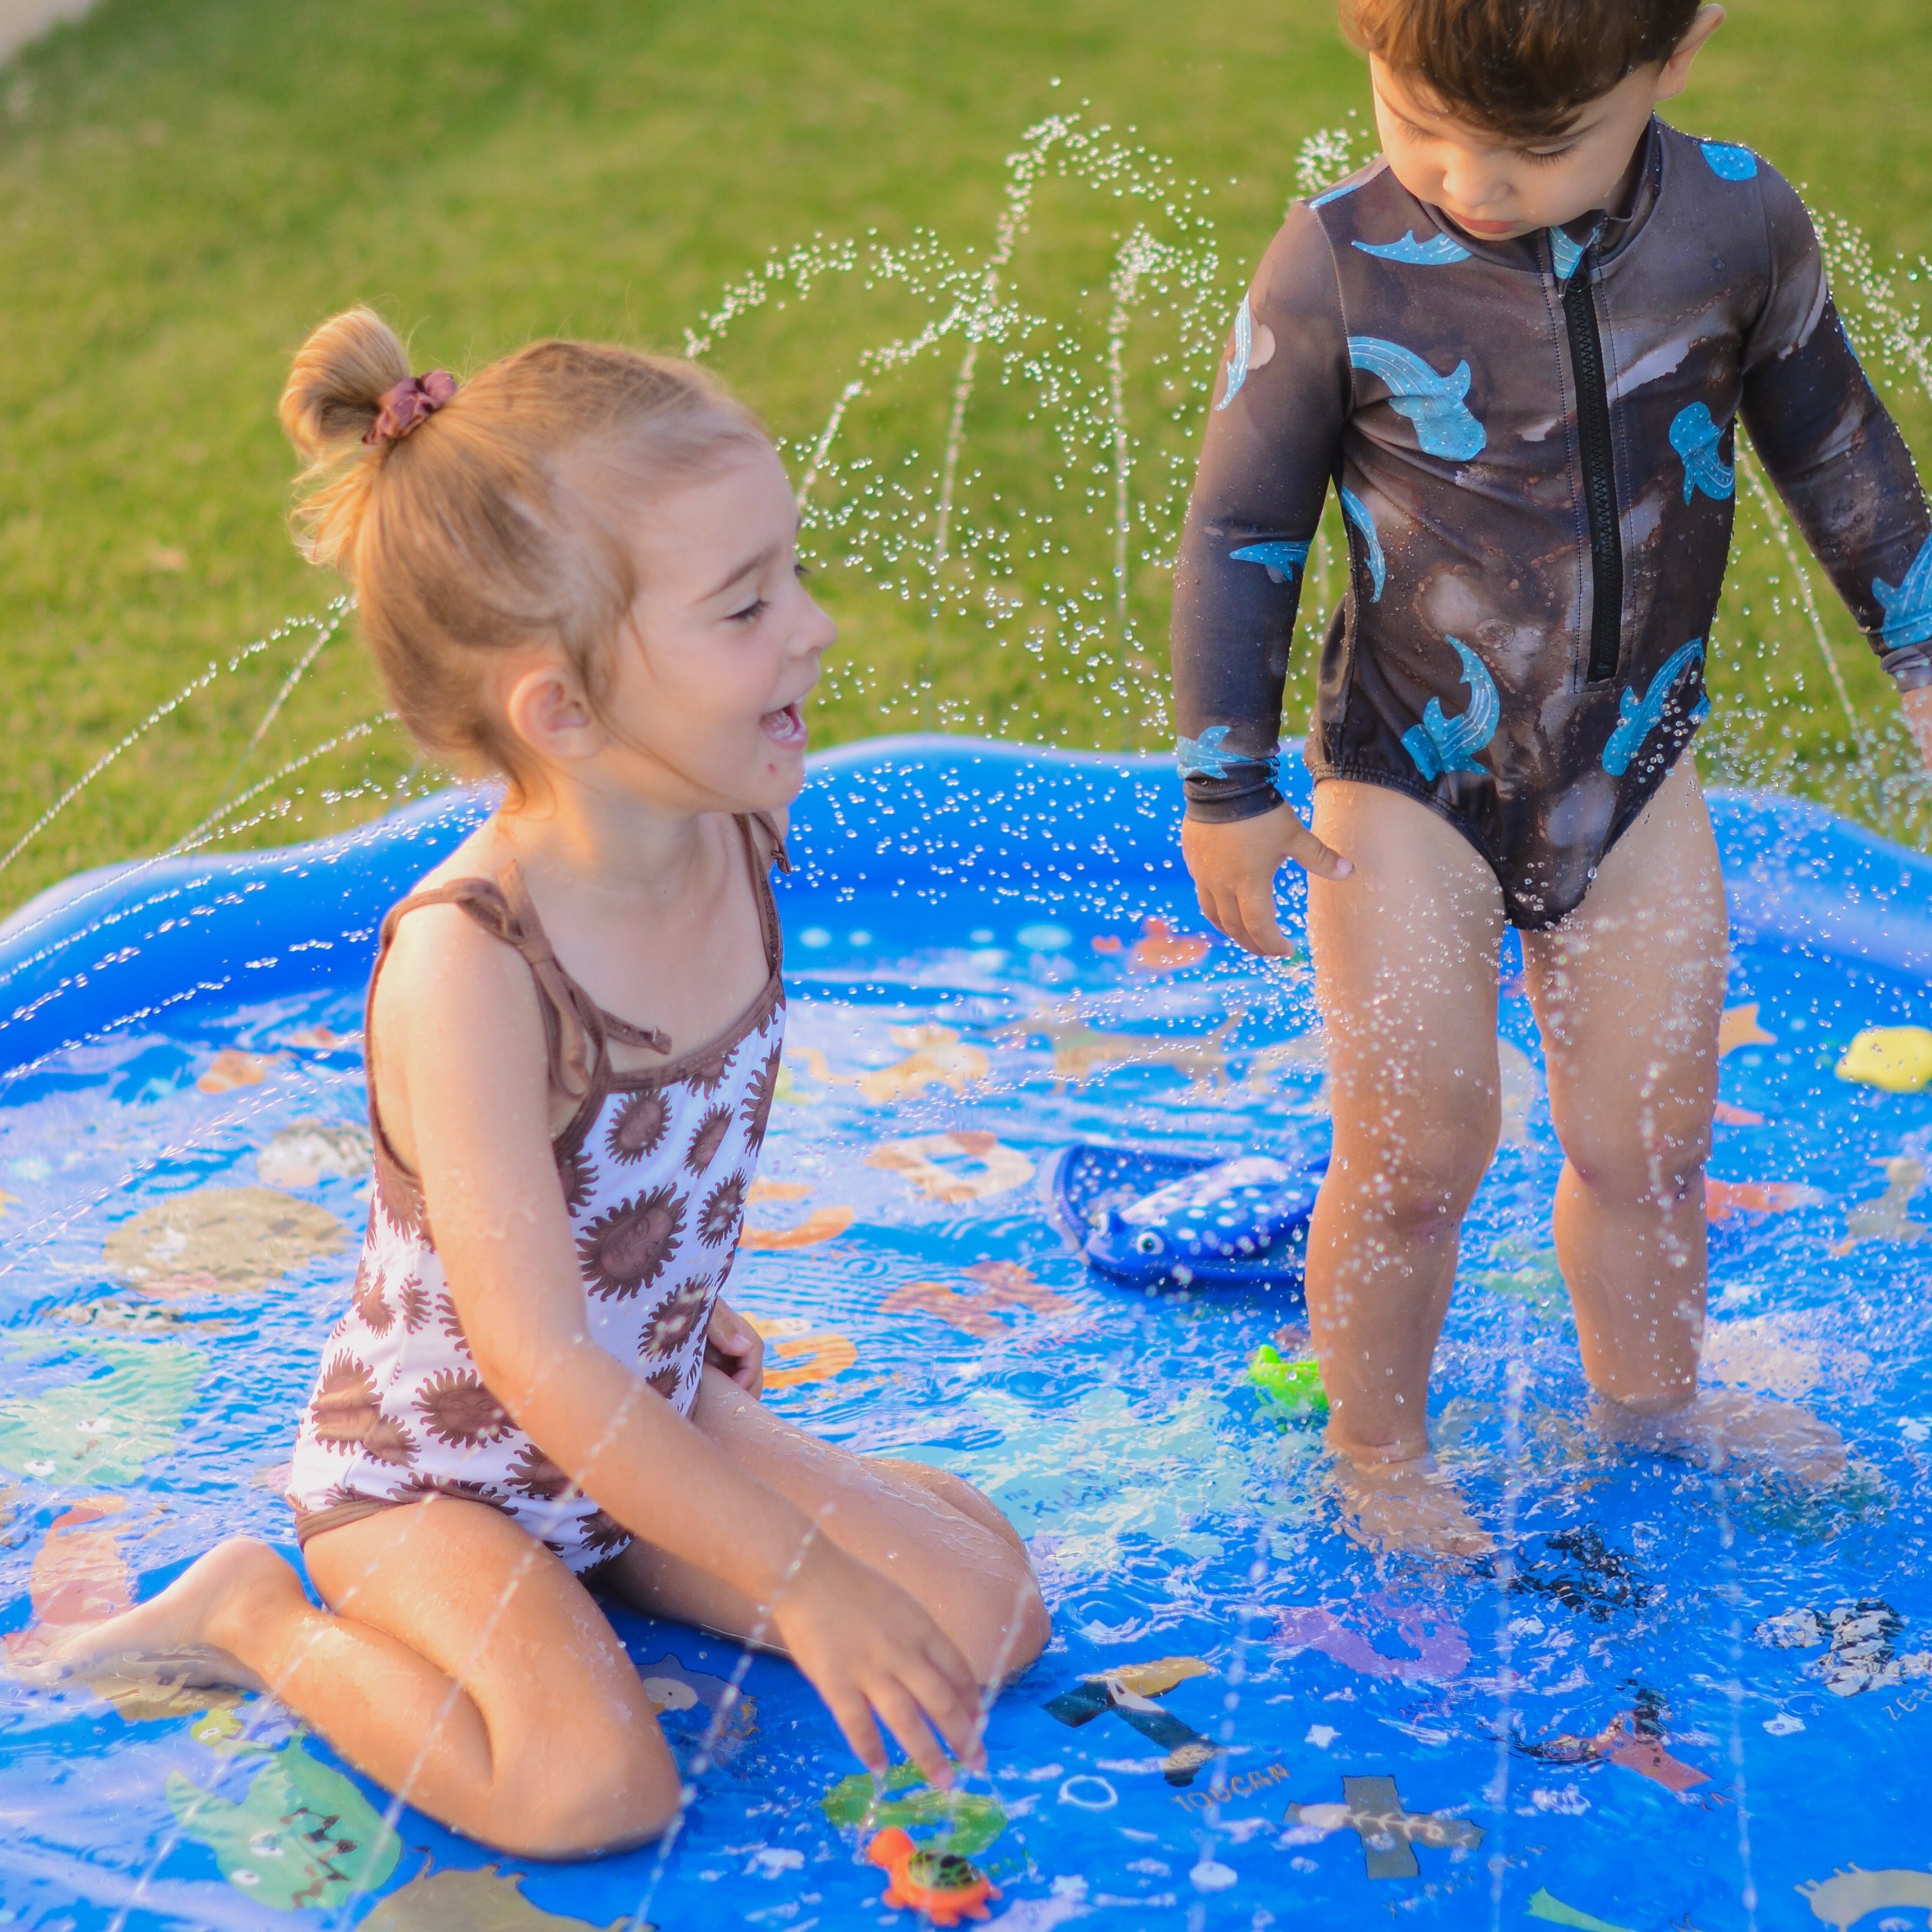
(1001, 1624)
(614, 1797)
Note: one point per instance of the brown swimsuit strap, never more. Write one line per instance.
(576, 1030)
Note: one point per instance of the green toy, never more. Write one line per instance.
(1293, 1387)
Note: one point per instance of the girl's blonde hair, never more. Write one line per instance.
(510, 516)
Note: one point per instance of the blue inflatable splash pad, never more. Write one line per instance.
(1676, 1699)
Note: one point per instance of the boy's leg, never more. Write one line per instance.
(932, 1534)
(1628, 990)
(463, 1665)
(1404, 952)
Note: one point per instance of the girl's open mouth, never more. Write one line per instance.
(785, 726)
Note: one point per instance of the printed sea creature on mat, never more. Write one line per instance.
(936, 1058)
(1738, 1026)
(79, 1577)
(324, 1039)
(1159, 948)
(1885, 1219)
(1545, 1905)
(1579, 1570)
(220, 1240)
(1443, 425)
(1898, 1059)
(1438, 252)
(1908, 610)
(1440, 1647)
(961, 1821)
(1280, 560)
(1862, 1636)
(942, 1887)
(1852, 1892)
(799, 1353)
(1001, 1286)
(1637, 718)
(719, 1711)
(484, 1900)
(1633, 1740)
(1441, 744)
(1129, 1690)
(1723, 1199)
(309, 1152)
(1696, 438)
(820, 1225)
(232, 1068)
(1372, 1809)
(1356, 511)
(967, 1164)
(303, 1835)
(1730, 162)
(108, 1426)
(1081, 1052)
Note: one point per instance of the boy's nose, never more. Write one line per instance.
(1474, 184)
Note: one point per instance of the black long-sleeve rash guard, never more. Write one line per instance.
(1533, 444)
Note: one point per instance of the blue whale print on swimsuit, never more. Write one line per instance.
(1208, 757)
(1244, 343)
(1637, 718)
(1279, 559)
(1356, 511)
(1908, 610)
(1438, 252)
(1728, 162)
(1566, 254)
(1695, 437)
(1444, 426)
(1441, 744)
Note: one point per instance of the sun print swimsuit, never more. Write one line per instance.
(1533, 444)
(654, 1166)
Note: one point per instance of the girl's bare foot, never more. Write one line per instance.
(1408, 1506)
(186, 1635)
(1724, 1426)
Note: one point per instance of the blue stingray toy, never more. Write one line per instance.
(1165, 1220)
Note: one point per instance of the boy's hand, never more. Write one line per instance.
(732, 1346)
(1234, 867)
(1918, 707)
(875, 1657)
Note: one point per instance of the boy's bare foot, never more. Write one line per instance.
(182, 1637)
(1407, 1506)
(1724, 1426)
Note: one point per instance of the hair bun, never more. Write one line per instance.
(337, 383)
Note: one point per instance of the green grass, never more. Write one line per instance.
(189, 185)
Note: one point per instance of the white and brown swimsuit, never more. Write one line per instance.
(654, 1165)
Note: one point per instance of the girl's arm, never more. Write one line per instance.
(1838, 458)
(464, 1038)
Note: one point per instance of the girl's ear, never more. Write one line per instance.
(547, 710)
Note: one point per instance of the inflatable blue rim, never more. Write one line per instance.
(886, 830)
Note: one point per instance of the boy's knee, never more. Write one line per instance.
(617, 1796)
(1423, 1181)
(1634, 1163)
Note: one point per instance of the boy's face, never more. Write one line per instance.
(1495, 187)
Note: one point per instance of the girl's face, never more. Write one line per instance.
(1495, 187)
(722, 646)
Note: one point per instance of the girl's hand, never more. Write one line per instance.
(1234, 867)
(875, 1657)
(732, 1346)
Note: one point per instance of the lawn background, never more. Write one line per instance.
(189, 185)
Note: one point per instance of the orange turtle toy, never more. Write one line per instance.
(942, 1885)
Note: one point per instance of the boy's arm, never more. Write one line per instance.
(1838, 458)
(1273, 441)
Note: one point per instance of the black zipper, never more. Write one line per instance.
(1600, 474)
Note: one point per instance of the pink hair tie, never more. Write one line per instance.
(411, 402)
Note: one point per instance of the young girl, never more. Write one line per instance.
(1519, 344)
(578, 571)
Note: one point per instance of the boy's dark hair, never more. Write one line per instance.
(1523, 68)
